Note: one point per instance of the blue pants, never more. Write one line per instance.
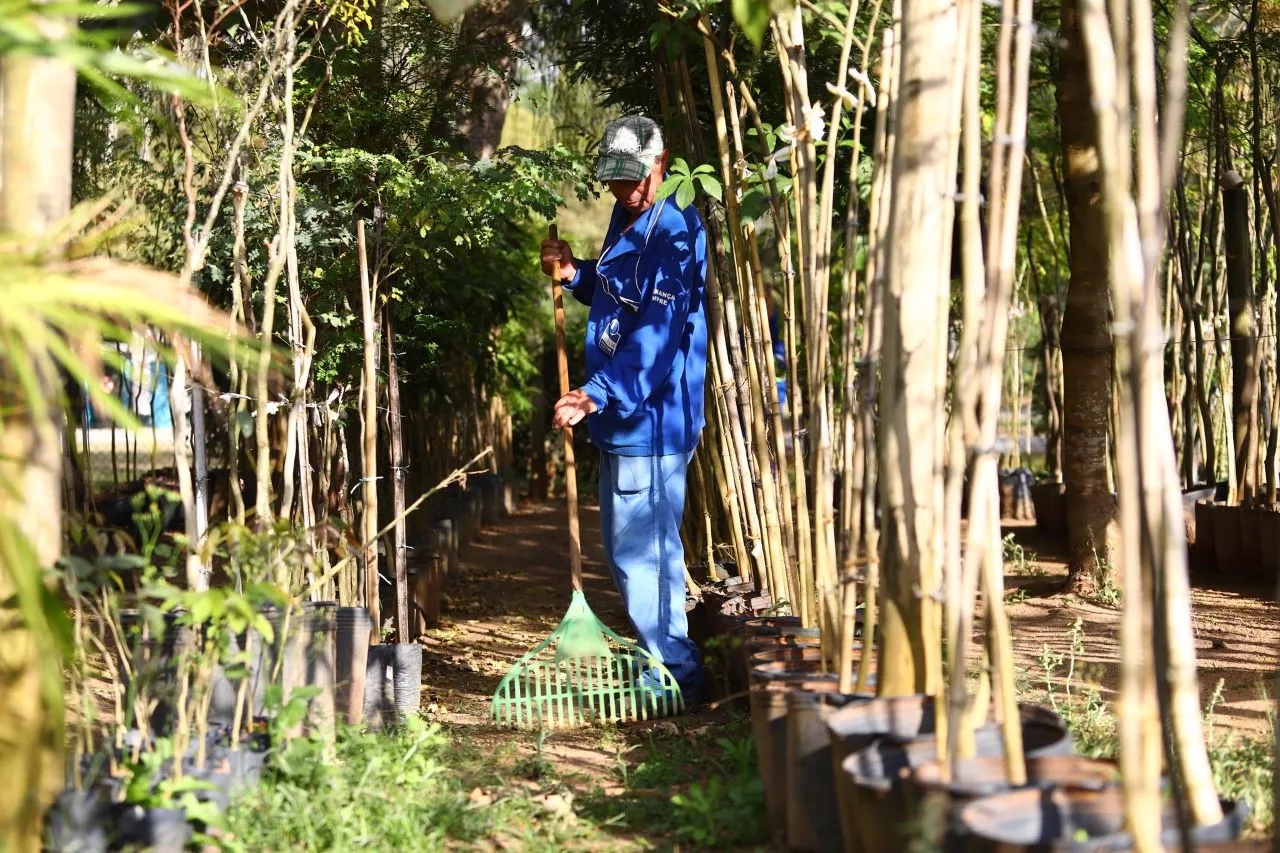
(641, 505)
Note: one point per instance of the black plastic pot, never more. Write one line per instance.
(379, 693)
(445, 534)
(1073, 820)
(406, 663)
(873, 743)
(78, 822)
(1204, 556)
(1049, 500)
(812, 813)
(1269, 542)
(934, 805)
(158, 830)
(770, 685)
(1227, 535)
(352, 660)
(320, 660)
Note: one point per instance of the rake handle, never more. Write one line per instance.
(570, 467)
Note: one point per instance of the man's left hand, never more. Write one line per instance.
(572, 408)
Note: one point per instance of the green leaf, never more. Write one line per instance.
(753, 17)
(754, 204)
(685, 194)
(669, 186)
(711, 187)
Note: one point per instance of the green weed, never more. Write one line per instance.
(1242, 764)
(700, 788)
(414, 789)
(1019, 560)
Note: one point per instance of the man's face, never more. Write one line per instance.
(638, 196)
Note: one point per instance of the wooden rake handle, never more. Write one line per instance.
(570, 467)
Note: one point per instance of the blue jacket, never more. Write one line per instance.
(646, 331)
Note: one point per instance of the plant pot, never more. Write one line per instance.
(1074, 820)
(786, 636)
(1269, 542)
(78, 821)
(321, 627)
(768, 697)
(1049, 500)
(406, 663)
(876, 741)
(1228, 552)
(445, 536)
(379, 693)
(1250, 546)
(812, 810)
(157, 830)
(352, 660)
(472, 515)
(1204, 555)
(1190, 498)
(934, 805)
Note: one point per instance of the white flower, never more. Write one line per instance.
(815, 123)
(787, 133)
(850, 100)
(771, 169)
(865, 83)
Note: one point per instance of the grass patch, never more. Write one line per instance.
(414, 789)
(421, 788)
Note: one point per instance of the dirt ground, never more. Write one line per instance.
(1236, 623)
(513, 587)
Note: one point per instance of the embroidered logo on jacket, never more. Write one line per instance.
(662, 297)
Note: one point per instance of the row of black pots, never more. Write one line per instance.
(87, 822)
(1237, 541)
(855, 772)
(97, 817)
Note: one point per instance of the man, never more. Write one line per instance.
(642, 401)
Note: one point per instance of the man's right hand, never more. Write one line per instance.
(556, 253)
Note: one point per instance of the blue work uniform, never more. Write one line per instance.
(646, 359)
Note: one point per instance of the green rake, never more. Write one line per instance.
(583, 673)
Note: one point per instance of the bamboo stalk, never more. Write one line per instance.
(910, 442)
(774, 553)
(1137, 708)
(872, 341)
(961, 577)
(369, 432)
(397, 482)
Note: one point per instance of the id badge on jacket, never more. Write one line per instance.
(610, 335)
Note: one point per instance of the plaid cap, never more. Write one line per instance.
(629, 149)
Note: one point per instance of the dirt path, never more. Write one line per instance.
(512, 589)
(1237, 627)
(510, 592)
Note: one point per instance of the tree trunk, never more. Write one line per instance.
(37, 115)
(1086, 339)
(490, 32)
(1244, 343)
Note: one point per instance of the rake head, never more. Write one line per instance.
(581, 675)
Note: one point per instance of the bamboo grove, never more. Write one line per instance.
(845, 503)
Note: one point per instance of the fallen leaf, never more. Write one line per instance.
(480, 797)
